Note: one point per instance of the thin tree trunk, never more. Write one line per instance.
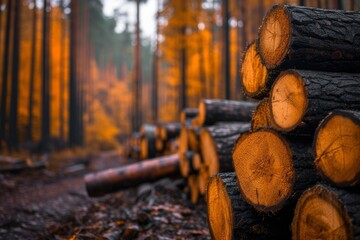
(13, 136)
(32, 73)
(5, 70)
(226, 17)
(62, 74)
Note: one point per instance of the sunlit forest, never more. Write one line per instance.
(69, 79)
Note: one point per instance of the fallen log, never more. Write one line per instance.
(306, 97)
(336, 147)
(255, 78)
(310, 38)
(270, 169)
(148, 142)
(324, 212)
(230, 217)
(217, 143)
(170, 131)
(187, 114)
(115, 179)
(212, 111)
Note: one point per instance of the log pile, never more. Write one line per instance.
(299, 166)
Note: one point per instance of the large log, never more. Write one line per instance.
(115, 179)
(324, 212)
(310, 38)
(212, 111)
(337, 147)
(306, 97)
(256, 79)
(270, 169)
(217, 142)
(230, 217)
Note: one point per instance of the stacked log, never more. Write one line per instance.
(307, 62)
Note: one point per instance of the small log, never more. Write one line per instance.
(306, 97)
(170, 131)
(230, 217)
(270, 169)
(194, 138)
(160, 145)
(187, 114)
(203, 178)
(115, 179)
(324, 212)
(310, 38)
(186, 163)
(255, 78)
(217, 143)
(193, 186)
(148, 142)
(261, 117)
(212, 111)
(336, 147)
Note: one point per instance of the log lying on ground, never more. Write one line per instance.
(270, 170)
(323, 212)
(148, 142)
(230, 217)
(306, 96)
(187, 114)
(212, 111)
(169, 131)
(256, 79)
(337, 147)
(310, 38)
(217, 143)
(115, 179)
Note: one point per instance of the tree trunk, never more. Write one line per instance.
(226, 50)
(5, 70)
(310, 38)
(324, 212)
(13, 131)
(216, 110)
(307, 97)
(336, 147)
(115, 179)
(217, 143)
(62, 74)
(256, 79)
(230, 217)
(271, 170)
(32, 73)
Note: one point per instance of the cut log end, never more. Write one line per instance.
(253, 72)
(219, 210)
(209, 153)
(275, 37)
(201, 118)
(265, 173)
(336, 148)
(288, 100)
(194, 190)
(320, 215)
(203, 178)
(261, 117)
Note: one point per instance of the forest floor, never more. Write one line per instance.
(39, 204)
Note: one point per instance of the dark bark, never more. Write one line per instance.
(223, 138)
(188, 114)
(327, 92)
(111, 180)
(322, 39)
(13, 131)
(226, 37)
(247, 223)
(227, 111)
(183, 63)
(32, 73)
(5, 70)
(170, 130)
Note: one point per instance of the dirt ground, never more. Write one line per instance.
(39, 204)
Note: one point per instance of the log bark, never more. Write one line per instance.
(324, 212)
(230, 217)
(115, 179)
(170, 131)
(216, 110)
(310, 38)
(217, 143)
(256, 79)
(306, 97)
(148, 142)
(271, 170)
(188, 113)
(336, 148)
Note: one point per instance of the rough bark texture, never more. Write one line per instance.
(226, 111)
(115, 179)
(349, 209)
(320, 39)
(247, 222)
(223, 138)
(327, 92)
